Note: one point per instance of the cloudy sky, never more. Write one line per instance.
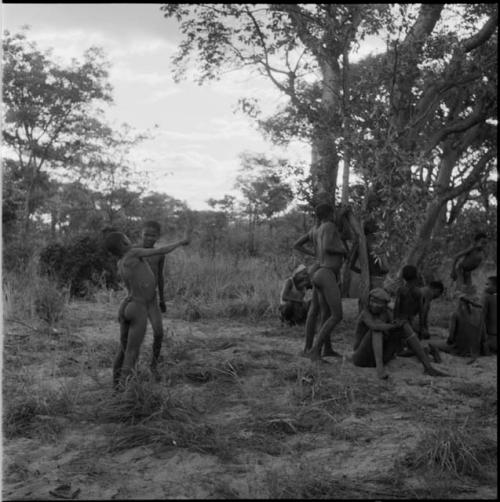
(194, 155)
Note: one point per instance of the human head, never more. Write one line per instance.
(301, 277)
(117, 243)
(436, 288)
(150, 233)
(378, 300)
(491, 285)
(410, 273)
(323, 211)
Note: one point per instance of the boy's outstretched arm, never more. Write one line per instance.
(143, 253)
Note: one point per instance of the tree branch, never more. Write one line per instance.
(474, 177)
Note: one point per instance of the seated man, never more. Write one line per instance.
(293, 309)
(378, 337)
(466, 335)
(490, 313)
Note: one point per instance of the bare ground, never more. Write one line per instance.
(238, 414)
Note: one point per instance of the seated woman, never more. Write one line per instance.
(293, 309)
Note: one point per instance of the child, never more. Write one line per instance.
(490, 312)
(466, 335)
(139, 303)
(293, 308)
(465, 262)
(378, 337)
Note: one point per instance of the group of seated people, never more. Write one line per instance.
(385, 330)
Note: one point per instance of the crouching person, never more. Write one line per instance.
(378, 337)
(293, 309)
(467, 333)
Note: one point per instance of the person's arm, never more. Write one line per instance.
(299, 245)
(421, 314)
(375, 324)
(145, 252)
(397, 304)
(426, 306)
(452, 330)
(161, 263)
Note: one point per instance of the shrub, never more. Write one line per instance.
(82, 265)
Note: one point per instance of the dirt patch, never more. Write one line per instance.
(238, 414)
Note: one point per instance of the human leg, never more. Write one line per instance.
(136, 315)
(311, 319)
(329, 293)
(155, 318)
(415, 345)
(118, 362)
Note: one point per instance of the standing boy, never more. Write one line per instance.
(139, 304)
(151, 231)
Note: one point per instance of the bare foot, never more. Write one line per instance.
(313, 355)
(434, 372)
(382, 373)
(331, 353)
(434, 352)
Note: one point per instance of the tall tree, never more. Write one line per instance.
(47, 105)
(290, 44)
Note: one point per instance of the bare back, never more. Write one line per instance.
(329, 246)
(138, 277)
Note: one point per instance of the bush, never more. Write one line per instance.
(82, 265)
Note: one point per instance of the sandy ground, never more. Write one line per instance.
(240, 415)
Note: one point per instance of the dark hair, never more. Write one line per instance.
(480, 235)
(493, 279)
(323, 210)
(152, 224)
(113, 243)
(436, 285)
(409, 272)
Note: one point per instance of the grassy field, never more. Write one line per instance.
(237, 414)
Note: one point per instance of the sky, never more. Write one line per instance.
(198, 137)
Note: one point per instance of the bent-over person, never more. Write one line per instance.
(293, 307)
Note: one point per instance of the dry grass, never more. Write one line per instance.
(210, 287)
(455, 450)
